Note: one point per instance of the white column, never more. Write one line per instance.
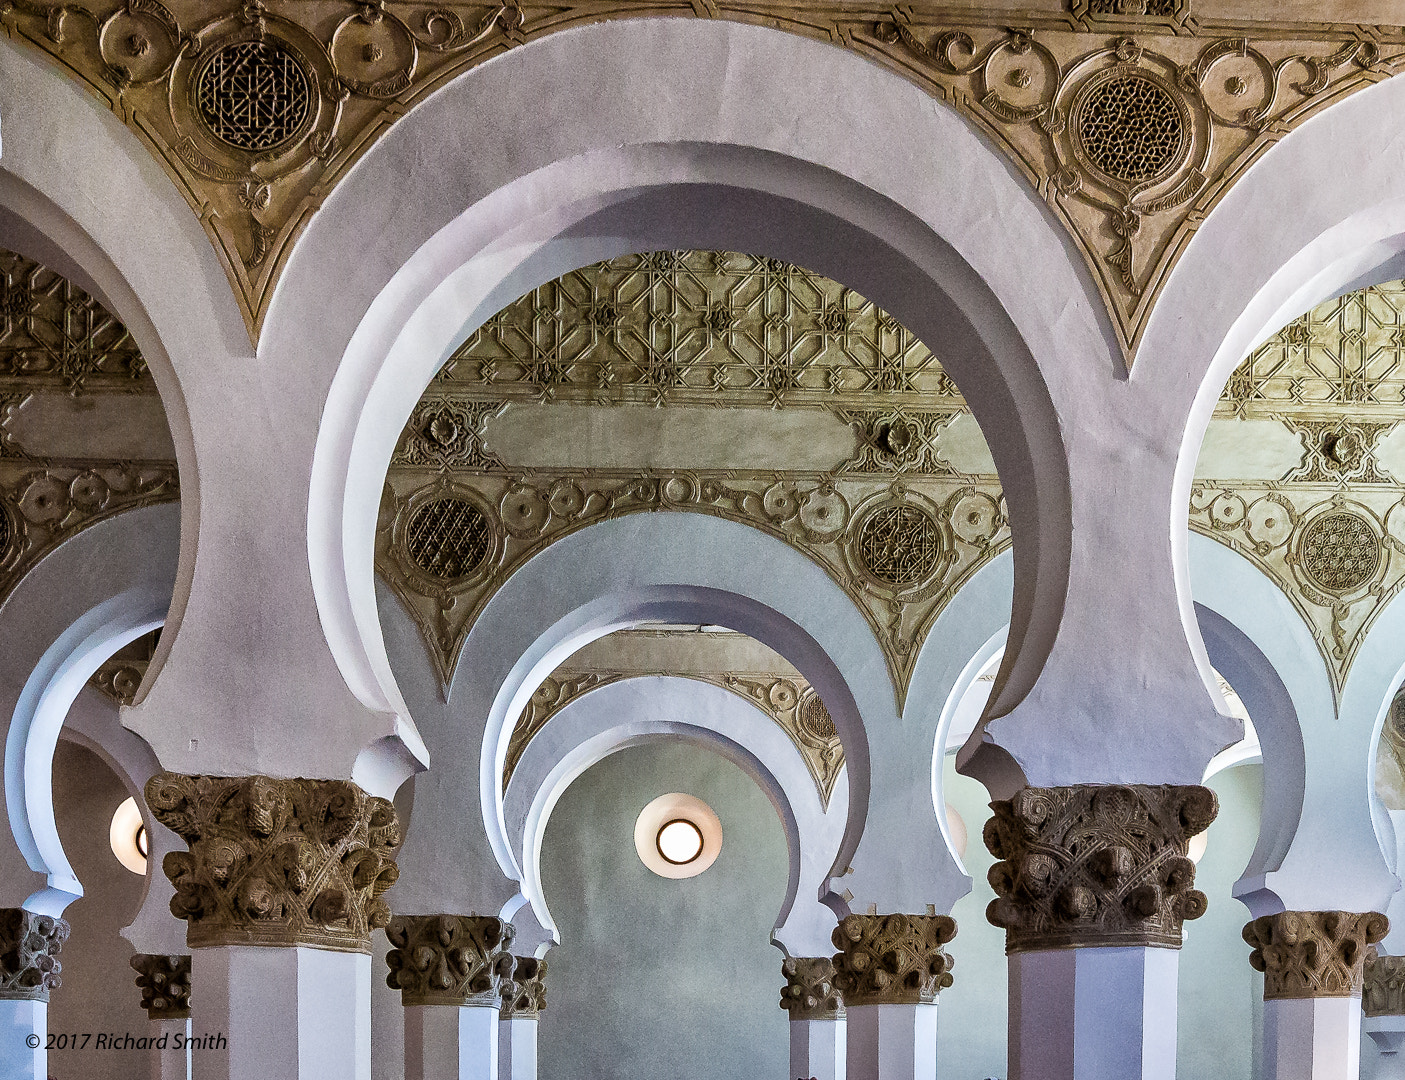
(1388, 1033)
(24, 1028)
(1097, 1013)
(892, 1042)
(170, 1053)
(819, 1049)
(1312, 1038)
(517, 1047)
(293, 1013)
(451, 1042)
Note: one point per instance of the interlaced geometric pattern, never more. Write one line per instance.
(1131, 129)
(900, 545)
(448, 538)
(815, 719)
(1340, 552)
(253, 96)
(683, 326)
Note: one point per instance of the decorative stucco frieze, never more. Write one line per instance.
(1383, 988)
(810, 992)
(450, 959)
(1096, 865)
(525, 995)
(275, 861)
(1312, 954)
(165, 985)
(29, 948)
(892, 959)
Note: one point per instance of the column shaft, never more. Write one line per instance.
(1093, 1014)
(819, 1049)
(22, 1022)
(170, 1056)
(892, 1042)
(451, 1042)
(291, 1013)
(517, 1048)
(1312, 1039)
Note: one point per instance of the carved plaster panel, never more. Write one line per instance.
(1383, 992)
(1131, 117)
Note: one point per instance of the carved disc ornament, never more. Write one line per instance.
(900, 545)
(253, 95)
(1131, 127)
(449, 538)
(1340, 552)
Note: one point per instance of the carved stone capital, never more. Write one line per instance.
(1383, 993)
(525, 995)
(277, 862)
(1313, 954)
(1096, 865)
(892, 959)
(29, 947)
(810, 993)
(450, 959)
(165, 985)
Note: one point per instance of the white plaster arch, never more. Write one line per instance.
(104, 587)
(672, 133)
(669, 567)
(624, 713)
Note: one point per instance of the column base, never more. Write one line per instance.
(891, 1042)
(1312, 1038)
(818, 1049)
(1093, 1014)
(20, 1022)
(451, 1042)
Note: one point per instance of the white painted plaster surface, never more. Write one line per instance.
(892, 1042)
(451, 1042)
(1312, 1039)
(1249, 450)
(819, 1049)
(18, 1021)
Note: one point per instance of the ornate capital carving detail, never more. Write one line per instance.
(1096, 864)
(277, 862)
(810, 993)
(1383, 993)
(165, 985)
(1312, 954)
(29, 947)
(892, 959)
(450, 959)
(525, 995)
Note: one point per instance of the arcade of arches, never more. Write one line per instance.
(702, 540)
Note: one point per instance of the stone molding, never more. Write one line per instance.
(892, 959)
(450, 959)
(1383, 992)
(1096, 865)
(1313, 954)
(809, 992)
(525, 995)
(29, 947)
(275, 861)
(165, 985)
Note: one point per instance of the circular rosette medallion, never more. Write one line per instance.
(900, 545)
(1131, 127)
(254, 95)
(447, 539)
(1339, 551)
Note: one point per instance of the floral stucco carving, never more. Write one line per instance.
(892, 959)
(29, 948)
(810, 992)
(1311, 954)
(1132, 123)
(275, 861)
(165, 985)
(1096, 865)
(526, 995)
(450, 959)
(1383, 988)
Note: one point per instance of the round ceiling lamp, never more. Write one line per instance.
(677, 836)
(128, 837)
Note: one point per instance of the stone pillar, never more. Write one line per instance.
(1091, 891)
(450, 971)
(889, 971)
(1313, 964)
(280, 890)
(818, 1047)
(1383, 1006)
(29, 969)
(165, 995)
(522, 1004)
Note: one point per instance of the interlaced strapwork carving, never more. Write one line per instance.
(1313, 954)
(1131, 129)
(815, 719)
(253, 95)
(450, 959)
(448, 538)
(525, 996)
(809, 992)
(29, 948)
(165, 985)
(892, 959)
(1340, 551)
(1383, 989)
(1096, 865)
(277, 862)
(900, 545)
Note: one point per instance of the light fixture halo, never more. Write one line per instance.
(694, 826)
(129, 837)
